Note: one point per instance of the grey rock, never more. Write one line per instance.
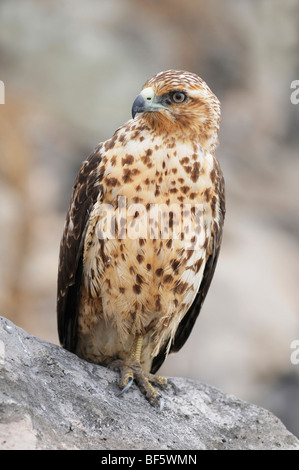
(51, 399)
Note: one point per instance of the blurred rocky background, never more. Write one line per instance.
(71, 72)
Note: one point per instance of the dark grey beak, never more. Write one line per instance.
(138, 105)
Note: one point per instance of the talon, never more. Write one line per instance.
(131, 369)
(161, 403)
(157, 401)
(126, 387)
(174, 386)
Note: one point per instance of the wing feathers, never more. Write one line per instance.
(86, 190)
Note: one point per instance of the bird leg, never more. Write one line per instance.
(130, 369)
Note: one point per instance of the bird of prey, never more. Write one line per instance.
(143, 232)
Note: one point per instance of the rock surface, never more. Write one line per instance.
(51, 399)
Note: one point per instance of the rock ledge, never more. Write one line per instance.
(51, 399)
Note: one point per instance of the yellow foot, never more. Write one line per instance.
(130, 371)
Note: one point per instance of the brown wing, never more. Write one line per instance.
(85, 192)
(187, 323)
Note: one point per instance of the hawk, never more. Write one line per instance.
(143, 232)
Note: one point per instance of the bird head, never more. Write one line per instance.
(182, 103)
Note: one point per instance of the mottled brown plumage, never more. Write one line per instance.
(143, 232)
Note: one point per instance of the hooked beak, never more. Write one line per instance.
(146, 102)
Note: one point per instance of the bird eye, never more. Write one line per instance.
(178, 97)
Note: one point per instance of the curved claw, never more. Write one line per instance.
(126, 387)
(157, 401)
(161, 403)
(174, 386)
